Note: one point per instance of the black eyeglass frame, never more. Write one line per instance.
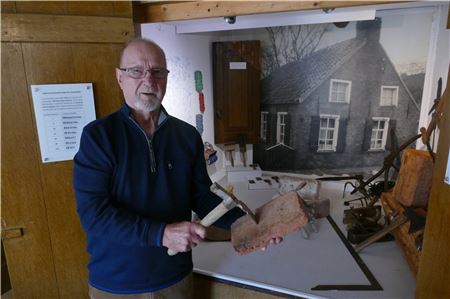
(164, 71)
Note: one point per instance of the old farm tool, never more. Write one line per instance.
(436, 111)
(370, 190)
(225, 195)
(416, 216)
(229, 201)
(229, 150)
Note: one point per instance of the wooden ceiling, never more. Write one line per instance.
(161, 11)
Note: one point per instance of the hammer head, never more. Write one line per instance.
(230, 201)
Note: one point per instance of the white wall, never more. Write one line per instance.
(186, 54)
(437, 66)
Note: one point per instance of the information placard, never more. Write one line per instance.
(62, 110)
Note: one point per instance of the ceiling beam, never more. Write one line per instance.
(187, 10)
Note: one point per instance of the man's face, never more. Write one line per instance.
(145, 94)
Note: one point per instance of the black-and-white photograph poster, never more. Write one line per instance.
(336, 98)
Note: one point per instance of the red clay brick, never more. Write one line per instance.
(276, 218)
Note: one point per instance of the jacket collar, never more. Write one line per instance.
(163, 115)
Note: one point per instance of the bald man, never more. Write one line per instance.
(138, 175)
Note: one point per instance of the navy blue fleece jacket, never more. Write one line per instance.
(128, 187)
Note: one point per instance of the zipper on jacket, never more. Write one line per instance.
(152, 155)
(150, 146)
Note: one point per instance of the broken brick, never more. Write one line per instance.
(277, 218)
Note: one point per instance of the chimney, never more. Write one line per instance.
(369, 30)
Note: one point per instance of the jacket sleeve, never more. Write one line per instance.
(99, 215)
(204, 199)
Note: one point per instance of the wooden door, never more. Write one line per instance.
(24, 217)
(43, 239)
(236, 91)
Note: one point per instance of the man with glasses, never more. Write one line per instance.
(138, 174)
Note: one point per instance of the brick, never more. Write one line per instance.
(277, 218)
(413, 184)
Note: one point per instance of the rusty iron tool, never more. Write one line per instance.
(396, 222)
(237, 202)
(243, 148)
(416, 217)
(229, 201)
(229, 149)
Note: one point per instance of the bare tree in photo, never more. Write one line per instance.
(290, 43)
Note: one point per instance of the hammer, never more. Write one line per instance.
(229, 201)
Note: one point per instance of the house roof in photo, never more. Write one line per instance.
(293, 82)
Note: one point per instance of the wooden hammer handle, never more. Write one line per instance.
(209, 219)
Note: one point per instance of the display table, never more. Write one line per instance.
(297, 265)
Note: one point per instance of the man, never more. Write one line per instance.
(137, 176)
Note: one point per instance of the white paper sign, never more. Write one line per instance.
(238, 65)
(62, 110)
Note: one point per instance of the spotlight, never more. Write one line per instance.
(230, 19)
(327, 10)
(340, 24)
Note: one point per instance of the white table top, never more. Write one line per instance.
(297, 264)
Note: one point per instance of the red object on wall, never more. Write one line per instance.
(201, 99)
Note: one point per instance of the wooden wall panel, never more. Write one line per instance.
(23, 203)
(433, 280)
(92, 8)
(89, 68)
(53, 63)
(71, 63)
(41, 7)
(85, 8)
(64, 28)
(207, 288)
(49, 261)
(123, 9)
(8, 6)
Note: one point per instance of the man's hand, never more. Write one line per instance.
(273, 241)
(183, 236)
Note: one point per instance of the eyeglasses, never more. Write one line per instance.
(138, 72)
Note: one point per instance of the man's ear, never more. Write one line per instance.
(119, 77)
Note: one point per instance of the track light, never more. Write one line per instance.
(230, 19)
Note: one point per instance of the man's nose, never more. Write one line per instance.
(148, 77)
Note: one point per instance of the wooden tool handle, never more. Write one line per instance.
(214, 215)
(399, 220)
(209, 219)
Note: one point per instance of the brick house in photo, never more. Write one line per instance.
(338, 108)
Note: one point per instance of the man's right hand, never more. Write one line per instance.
(183, 236)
